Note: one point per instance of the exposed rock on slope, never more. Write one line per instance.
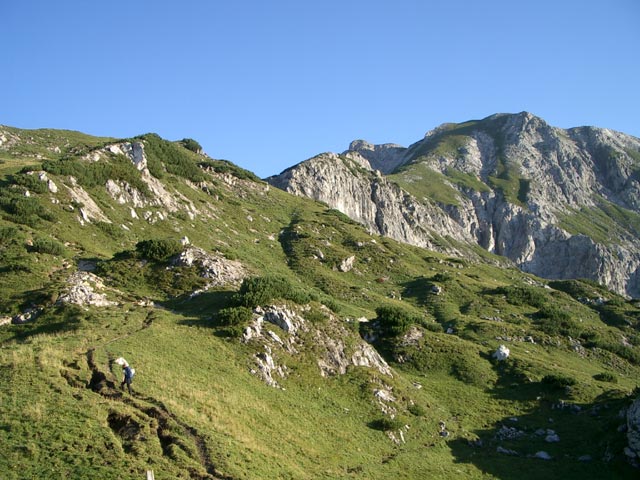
(348, 184)
(559, 203)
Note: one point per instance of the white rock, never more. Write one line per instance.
(502, 353)
(552, 438)
(347, 264)
(542, 455)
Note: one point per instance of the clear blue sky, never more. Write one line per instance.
(267, 84)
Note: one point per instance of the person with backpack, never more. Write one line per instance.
(128, 374)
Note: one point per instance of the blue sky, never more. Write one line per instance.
(267, 84)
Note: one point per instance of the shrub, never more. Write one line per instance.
(110, 229)
(396, 320)
(558, 381)
(315, 315)
(417, 410)
(31, 183)
(175, 160)
(523, 295)
(261, 290)
(48, 245)
(24, 210)
(158, 250)
(94, 174)
(7, 235)
(387, 424)
(555, 321)
(191, 144)
(606, 377)
(233, 316)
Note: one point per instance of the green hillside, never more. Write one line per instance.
(200, 408)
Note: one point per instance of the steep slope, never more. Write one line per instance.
(558, 203)
(245, 311)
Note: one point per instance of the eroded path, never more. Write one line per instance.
(146, 416)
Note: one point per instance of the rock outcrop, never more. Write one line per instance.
(334, 355)
(557, 203)
(81, 290)
(217, 269)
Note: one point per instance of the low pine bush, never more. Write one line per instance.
(262, 290)
(158, 250)
(48, 245)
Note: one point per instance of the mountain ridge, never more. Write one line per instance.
(510, 183)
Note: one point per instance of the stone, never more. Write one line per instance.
(27, 316)
(502, 353)
(542, 455)
(507, 451)
(552, 438)
(365, 355)
(218, 270)
(347, 264)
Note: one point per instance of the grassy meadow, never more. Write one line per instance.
(198, 411)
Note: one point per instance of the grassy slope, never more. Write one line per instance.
(196, 406)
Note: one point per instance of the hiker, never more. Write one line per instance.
(128, 374)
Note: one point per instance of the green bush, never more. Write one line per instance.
(555, 321)
(395, 320)
(191, 144)
(262, 290)
(8, 235)
(48, 245)
(174, 159)
(558, 381)
(31, 183)
(24, 210)
(417, 410)
(234, 316)
(315, 315)
(606, 377)
(158, 250)
(523, 295)
(387, 424)
(224, 166)
(114, 231)
(92, 174)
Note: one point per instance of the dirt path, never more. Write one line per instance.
(173, 433)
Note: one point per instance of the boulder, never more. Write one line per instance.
(347, 264)
(542, 455)
(502, 353)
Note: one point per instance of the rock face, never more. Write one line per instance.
(334, 355)
(558, 203)
(383, 207)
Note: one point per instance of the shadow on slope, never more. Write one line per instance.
(556, 438)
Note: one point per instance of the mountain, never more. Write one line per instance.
(557, 203)
(274, 337)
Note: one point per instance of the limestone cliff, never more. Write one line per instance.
(558, 203)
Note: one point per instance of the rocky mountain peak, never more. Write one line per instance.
(559, 203)
(385, 158)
